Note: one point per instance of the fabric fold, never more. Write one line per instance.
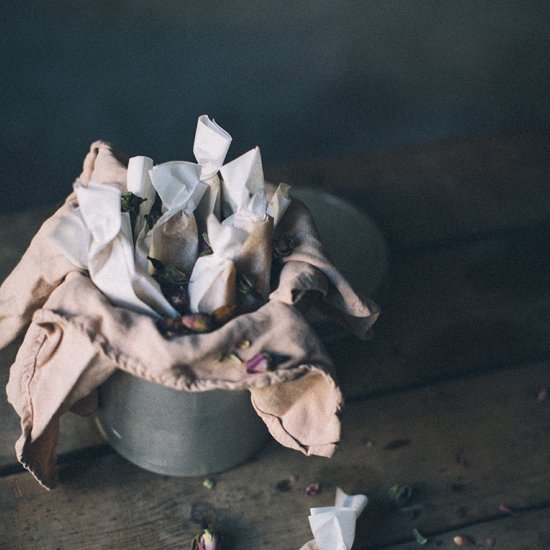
(111, 262)
(307, 264)
(43, 266)
(298, 400)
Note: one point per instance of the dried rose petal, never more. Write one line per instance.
(367, 441)
(170, 327)
(229, 356)
(491, 542)
(543, 395)
(463, 540)
(244, 284)
(261, 362)
(197, 322)
(506, 509)
(207, 540)
(248, 298)
(232, 356)
(205, 246)
(312, 489)
(152, 218)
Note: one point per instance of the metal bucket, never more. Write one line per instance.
(178, 433)
(189, 434)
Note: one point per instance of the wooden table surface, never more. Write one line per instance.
(448, 398)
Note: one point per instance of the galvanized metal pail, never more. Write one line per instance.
(175, 432)
(186, 434)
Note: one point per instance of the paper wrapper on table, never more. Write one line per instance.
(78, 337)
(334, 526)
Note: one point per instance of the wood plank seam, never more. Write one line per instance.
(434, 382)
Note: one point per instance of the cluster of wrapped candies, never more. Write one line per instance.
(188, 243)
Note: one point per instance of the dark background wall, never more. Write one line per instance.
(300, 79)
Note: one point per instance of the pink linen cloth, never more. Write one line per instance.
(77, 339)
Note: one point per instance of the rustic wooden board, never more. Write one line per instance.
(482, 303)
(446, 311)
(466, 447)
(453, 310)
(529, 530)
(445, 190)
(418, 194)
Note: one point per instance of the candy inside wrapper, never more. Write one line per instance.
(241, 243)
(177, 276)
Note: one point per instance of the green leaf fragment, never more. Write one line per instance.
(401, 494)
(168, 274)
(130, 203)
(209, 483)
(419, 537)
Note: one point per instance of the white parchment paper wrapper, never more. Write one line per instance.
(210, 149)
(334, 526)
(102, 244)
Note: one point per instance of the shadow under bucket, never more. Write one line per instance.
(178, 433)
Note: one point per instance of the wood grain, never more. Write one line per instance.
(447, 311)
(465, 446)
(528, 530)
(453, 374)
(453, 310)
(438, 191)
(420, 194)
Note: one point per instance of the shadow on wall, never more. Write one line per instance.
(306, 79)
